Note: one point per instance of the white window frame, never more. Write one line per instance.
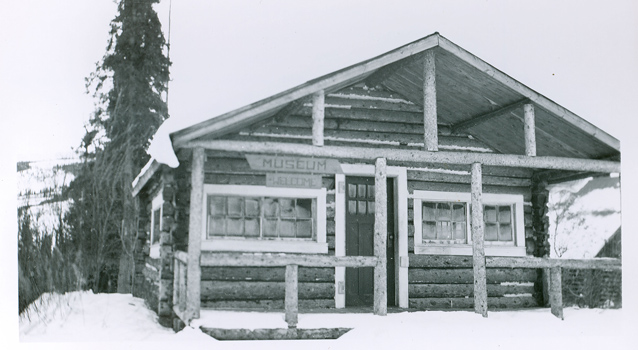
(236, 244)
(491, 248)
(157, 203)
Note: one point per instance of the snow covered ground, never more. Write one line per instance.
(101, 319)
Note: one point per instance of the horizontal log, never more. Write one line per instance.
(464, 276)
(597, 264)
(309, 304)
(468, 303)
(223, 290)
(275, 333)
(465, 290)
(420, 175)
(341, 100)
(238, 259)
(266, 274)
(415, 156)
(403, 117)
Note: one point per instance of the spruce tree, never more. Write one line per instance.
(128, 84)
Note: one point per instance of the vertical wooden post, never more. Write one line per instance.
(380, 238)
(431, 133)
(478, 249)
(556, 291)
(318, 108)
(195, 230)
(292, 295)
(530, 130)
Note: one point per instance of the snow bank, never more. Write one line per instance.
(88, 317)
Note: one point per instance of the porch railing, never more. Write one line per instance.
(552, 270)
(290, 261)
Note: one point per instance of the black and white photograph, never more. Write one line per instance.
(319, 174)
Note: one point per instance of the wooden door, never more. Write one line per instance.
(360, 240)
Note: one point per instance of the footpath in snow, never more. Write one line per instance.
(105, 318)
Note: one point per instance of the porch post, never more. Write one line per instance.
(380, 238)
(431, 138)
(195, 228)
(530, 130)
(292, 296)
(478, 249)
(318, 107)
(556, 291)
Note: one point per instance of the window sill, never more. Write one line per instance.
(467, 250)
(236, 245)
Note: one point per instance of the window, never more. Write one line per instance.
(442, 224)
(156, 224)
(258, 218)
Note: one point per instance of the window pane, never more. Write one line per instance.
(252, 207)
(235, 206)
(361, 193)
(304, 229)
(505, 214)
(216, 226)
(352, 191)
(235, 227)
(370, 207)
(352, 207)
(271, 207)
(505, 233)
(490, 213)
(428, 211)
(304, 208)
(429, 230)
(270, 228)
(443, 212)
(444, 230)
(217, 205)
(490, 232)
(458, 212)
(370, 191)
(251, 227)
(287, 207)
(459, 230)
(362, 207)
(287, 228)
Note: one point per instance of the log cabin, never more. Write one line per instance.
(413, 180)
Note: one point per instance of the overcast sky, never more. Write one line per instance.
(581, 54)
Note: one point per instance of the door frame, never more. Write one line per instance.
(399, 174)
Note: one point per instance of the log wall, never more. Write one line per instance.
(450, 285)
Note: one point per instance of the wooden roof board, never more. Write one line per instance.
(460, 71)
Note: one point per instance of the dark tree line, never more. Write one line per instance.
(98, 233)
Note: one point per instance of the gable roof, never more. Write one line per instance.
(471, 95)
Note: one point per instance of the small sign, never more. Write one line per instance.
(293, 180)
(306, 165)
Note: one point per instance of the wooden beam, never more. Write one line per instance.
(478, 249)
(292, 296)
(410, 156)
(538, 263)
(380, 237)
(530, 130)
(429, 103)
(318, 107)
(481, 118)
(556, 292)
(538, 99)
(262, 259)
(195, 229)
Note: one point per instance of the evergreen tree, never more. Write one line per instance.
(128, 84)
